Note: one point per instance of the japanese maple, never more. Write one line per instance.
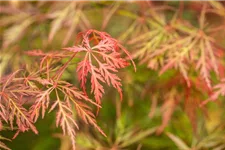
(103, 57)
(179, 47)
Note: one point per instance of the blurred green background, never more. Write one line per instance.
(132, 123)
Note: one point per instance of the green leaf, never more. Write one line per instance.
(179, 143)
(137, 137)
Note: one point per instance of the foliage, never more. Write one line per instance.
(45, 83)
(178, 48)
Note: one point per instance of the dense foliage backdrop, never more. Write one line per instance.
(156, 80)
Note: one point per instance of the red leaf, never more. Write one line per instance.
(102, 59)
